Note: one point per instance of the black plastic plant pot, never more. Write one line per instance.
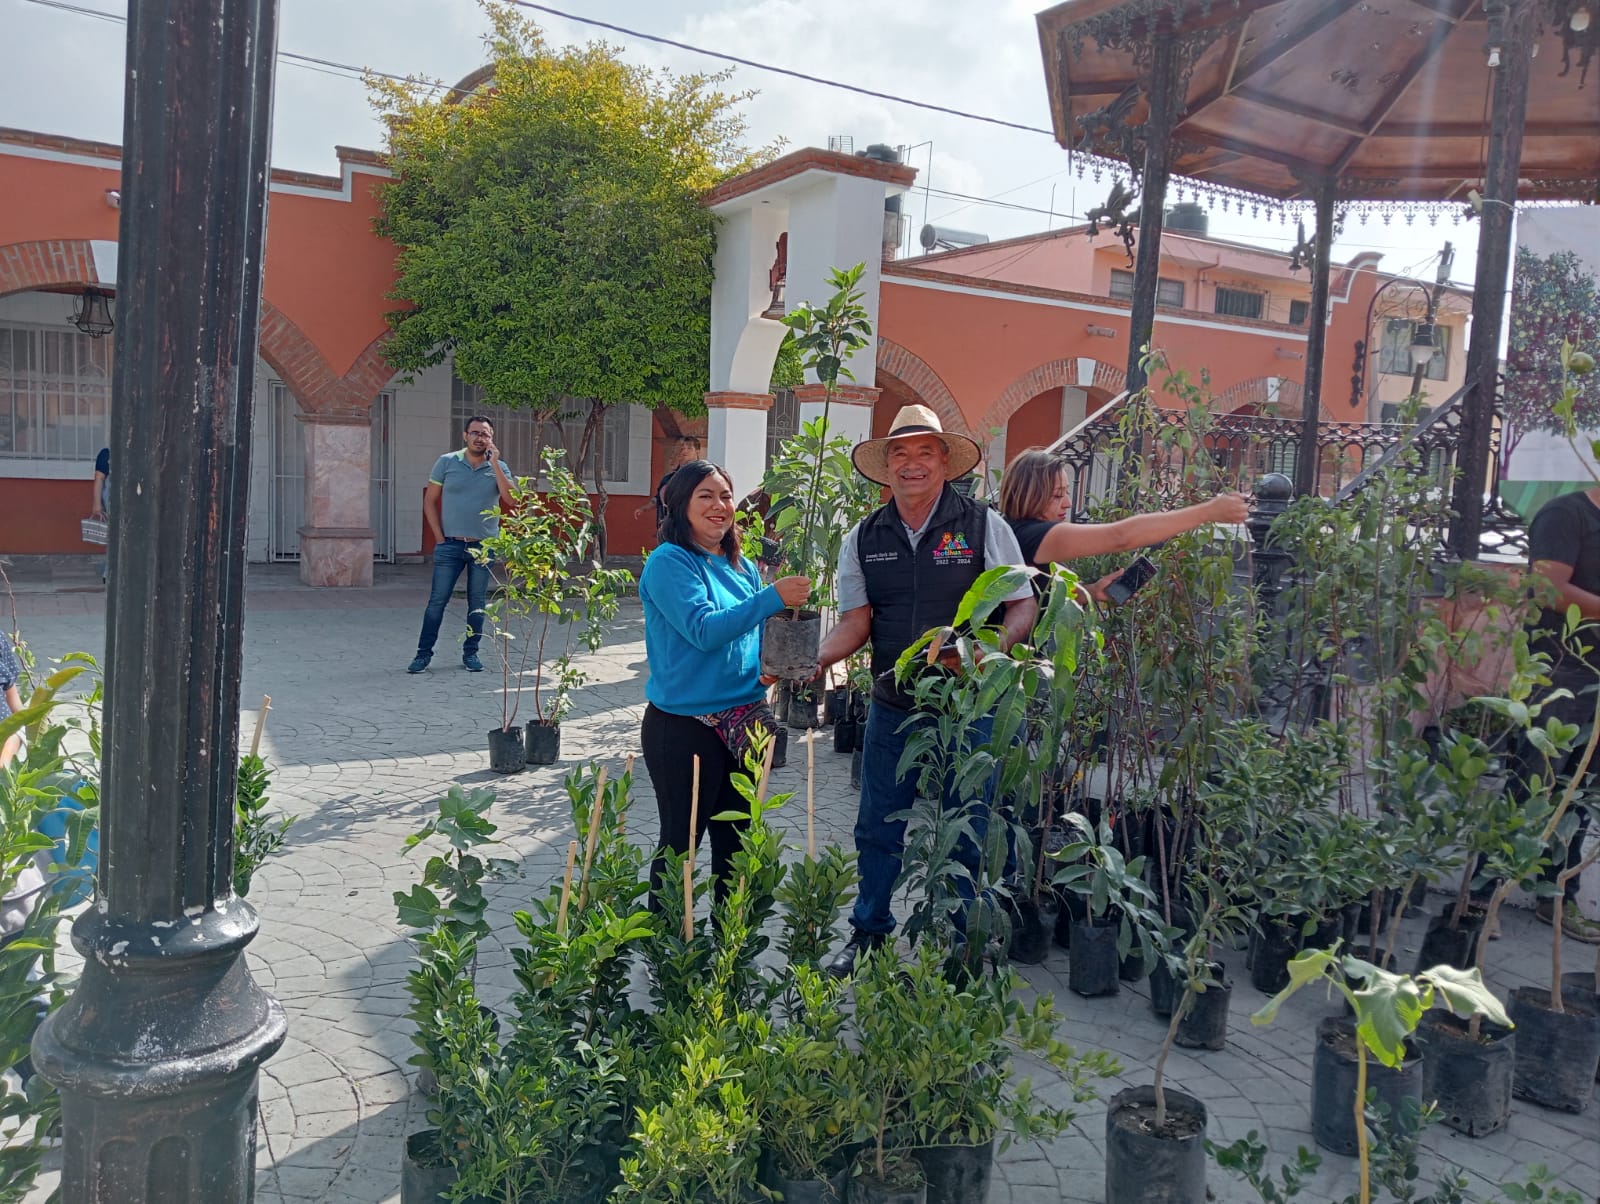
(1073, 910)
(1163, 990)
(1092, 963)
(789, 644)
(425, 1177)
(780, 748)
(958, 1174)
(1273, 944)
(1333, 1085)
(1557, 1052)
(1131, 968)
(1581, 983)
(867, 1188)
(506, 750)
(1468, 1077)
(543, 742)
(1030, 937)
(1144, 1166)
(835, 705)
(807, 1191)
(805, 711)
(1205, 1024)
(844, 736)
(1446, 946)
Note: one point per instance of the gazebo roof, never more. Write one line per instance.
(1387, 96)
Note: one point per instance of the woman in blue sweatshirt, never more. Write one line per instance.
(704, 605)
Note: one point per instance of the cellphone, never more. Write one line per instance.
(1133, 579)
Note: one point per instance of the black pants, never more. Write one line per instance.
(671, 742)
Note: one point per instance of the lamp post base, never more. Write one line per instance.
(156, 1057)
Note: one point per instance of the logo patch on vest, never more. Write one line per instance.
(953, 549)
(879, 557)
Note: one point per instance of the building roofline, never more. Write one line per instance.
(806, 159)
(62, 144)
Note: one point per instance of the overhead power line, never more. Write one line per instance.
(786, 71)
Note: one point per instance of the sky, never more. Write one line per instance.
(61, 72)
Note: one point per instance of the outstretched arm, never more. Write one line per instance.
(849, 636)
(1069, 541)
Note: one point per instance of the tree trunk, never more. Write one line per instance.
(597, 421)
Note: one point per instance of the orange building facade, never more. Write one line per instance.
(343, 445)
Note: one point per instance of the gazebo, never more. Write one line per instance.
(1322, 103)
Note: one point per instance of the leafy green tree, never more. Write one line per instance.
(550, 228)
(1557, 299)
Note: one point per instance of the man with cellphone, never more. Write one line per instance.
(903, 570)
(461, 504)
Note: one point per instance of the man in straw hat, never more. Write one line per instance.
(903, 570)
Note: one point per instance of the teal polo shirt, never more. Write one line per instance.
(467, 493)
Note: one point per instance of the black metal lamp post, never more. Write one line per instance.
(156, 1052)
(1273, 493)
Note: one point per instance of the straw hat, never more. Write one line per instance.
(871, 455)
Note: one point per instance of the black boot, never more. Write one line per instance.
(844, 962)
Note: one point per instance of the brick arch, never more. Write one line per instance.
(295, 358)
(1256, 394)
(1057, 374)
(912, 373)
(47, 263)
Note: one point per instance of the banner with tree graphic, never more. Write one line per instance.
(1555, 295)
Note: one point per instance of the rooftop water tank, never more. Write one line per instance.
(1188, 217)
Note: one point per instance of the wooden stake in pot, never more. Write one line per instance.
(261, 722)
(694, 845)
(811, 795)
(596, 815)
(766, 767)
(566, 888)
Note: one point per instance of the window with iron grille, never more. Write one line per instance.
(1299, 312)
(1240, 303)
(1169, 293)
(517, 432)
(783, 421)
(1394, 354)
(55, 393)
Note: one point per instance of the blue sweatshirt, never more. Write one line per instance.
(702, 630)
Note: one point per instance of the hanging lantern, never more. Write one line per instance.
(93, 313)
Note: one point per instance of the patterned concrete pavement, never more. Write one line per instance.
(360, 749)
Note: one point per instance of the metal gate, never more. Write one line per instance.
(288, 492)
(288, 484)
(382, 505)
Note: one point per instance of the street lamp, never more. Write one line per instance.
(1422, 348)
(1424, 334)
(93, 314)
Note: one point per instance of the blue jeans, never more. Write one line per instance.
(449, 558)
(880, 841)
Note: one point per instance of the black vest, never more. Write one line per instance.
(910, 592)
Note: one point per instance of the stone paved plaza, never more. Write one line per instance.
(359, 751)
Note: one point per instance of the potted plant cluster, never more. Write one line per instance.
(547, 597)
(743, 1073)
(56, 773)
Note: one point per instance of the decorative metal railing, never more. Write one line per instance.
(1242, 448)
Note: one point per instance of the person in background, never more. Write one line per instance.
(10, 694)
(704, 605)
(1036, 496)
(100, 504)
(903, 570)
(460, 505)
(1564, 548)
(688, 449)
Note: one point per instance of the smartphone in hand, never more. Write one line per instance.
(1133, 579)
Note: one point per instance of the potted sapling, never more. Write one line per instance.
(1119, 907)
(546, 596)
(1386, 1008)
(826, 337)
